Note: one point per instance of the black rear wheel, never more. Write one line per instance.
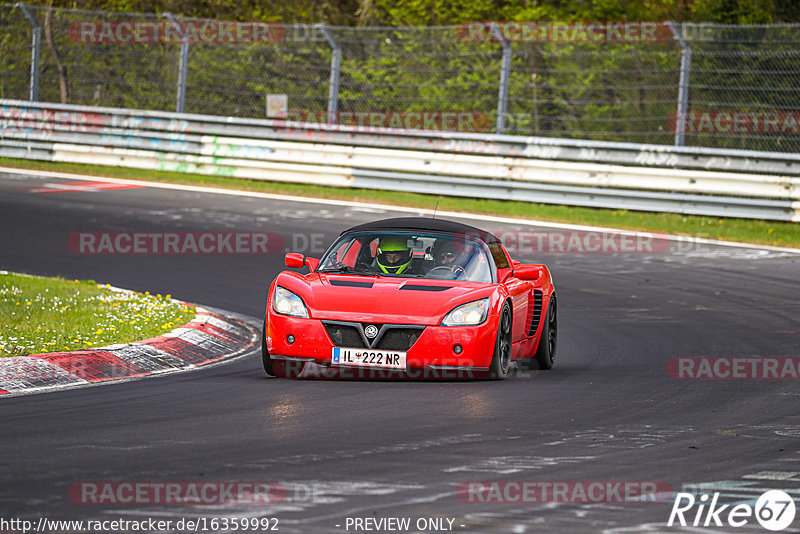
(546, 352)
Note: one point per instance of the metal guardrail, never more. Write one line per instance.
(573, 172)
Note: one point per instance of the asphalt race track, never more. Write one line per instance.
(609, 411)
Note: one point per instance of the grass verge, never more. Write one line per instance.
(784, 234)
(41, 315)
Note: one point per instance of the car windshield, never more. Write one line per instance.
(409, 255)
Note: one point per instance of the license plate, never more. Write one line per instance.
(368, 358)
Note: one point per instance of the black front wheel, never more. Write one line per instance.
(268, 362)
(502, 346)
(279, 368)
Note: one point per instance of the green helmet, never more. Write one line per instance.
(393, 255)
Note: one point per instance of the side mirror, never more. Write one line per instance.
(528, 272)
(294, 260)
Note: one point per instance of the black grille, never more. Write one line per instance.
(398, 338)
(344, 335)
(535, 311)
(390, 337)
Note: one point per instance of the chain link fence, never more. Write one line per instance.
(751, 73)
(15, 53)
(739, 82)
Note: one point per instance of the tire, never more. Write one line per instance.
(268, 362)
(501, 359)
(546, 352)
(278, 368)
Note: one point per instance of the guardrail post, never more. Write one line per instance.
(683, 83)
(505, 74)
(183, 66)
(36, 51)
(336, 67)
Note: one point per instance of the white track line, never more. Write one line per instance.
(471, 216)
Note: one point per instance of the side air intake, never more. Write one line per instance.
(534, 311)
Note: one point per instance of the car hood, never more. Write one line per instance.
(378, 299)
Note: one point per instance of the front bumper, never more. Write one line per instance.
(433, 349)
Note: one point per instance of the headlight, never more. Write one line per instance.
(468, 314)
(287, 303)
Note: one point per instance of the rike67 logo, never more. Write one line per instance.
(774, 510)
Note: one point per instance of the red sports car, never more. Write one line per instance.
(411, 297)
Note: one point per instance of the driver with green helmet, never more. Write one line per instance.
(393, 255)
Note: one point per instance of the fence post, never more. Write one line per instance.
(183, 66)
(36, 51)
(336, 66)
(683, 83)
(505, 74)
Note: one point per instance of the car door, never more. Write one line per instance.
(518, 290)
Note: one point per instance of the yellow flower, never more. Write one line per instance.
(99, 331)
